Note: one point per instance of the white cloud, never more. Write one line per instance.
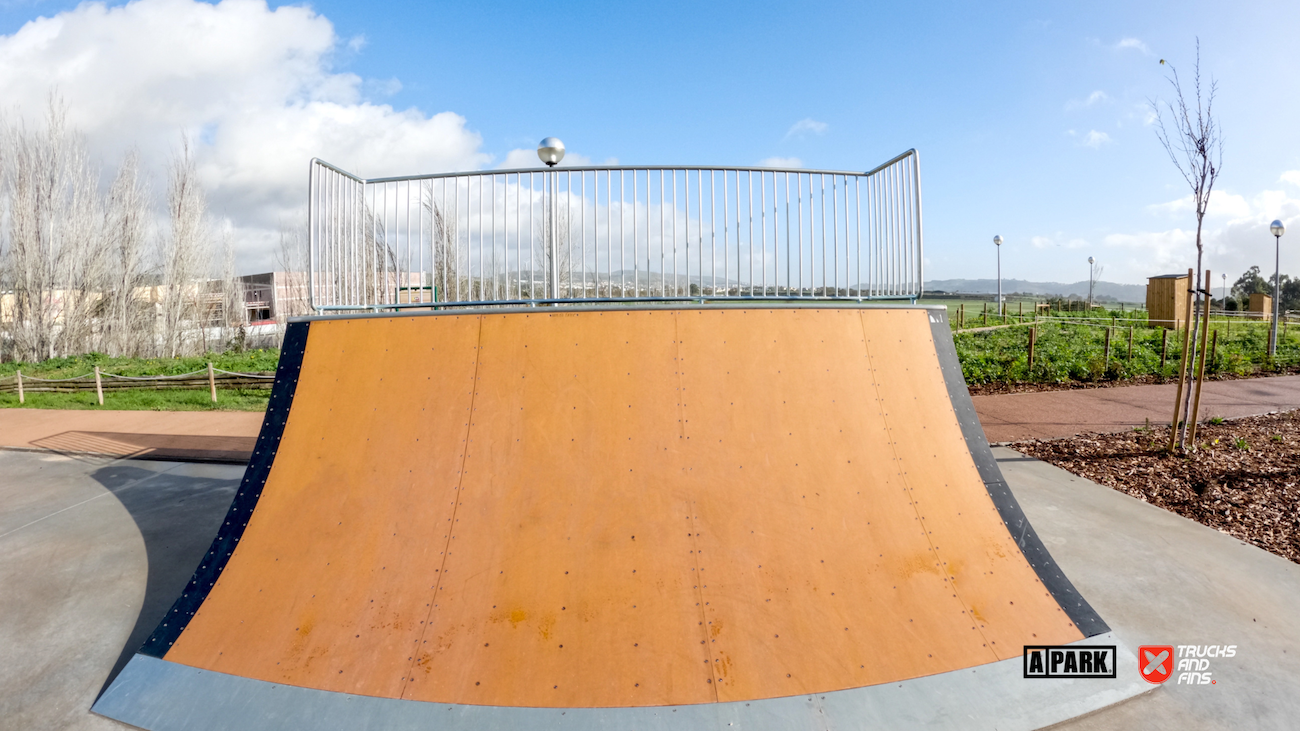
(1222, 205)
(780, 162)
(805, 126)
(1057, 242)
(1133, 43)
(1095, 139)
(254, 87)
(1094, 98)
(1235, 237)
(520, 158)
(1290, 176)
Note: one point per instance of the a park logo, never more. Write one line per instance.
(1156, 662)
(1069, 661)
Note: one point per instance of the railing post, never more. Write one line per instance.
(554, 179)
(21, 398)
(99, 387)
(212, 382)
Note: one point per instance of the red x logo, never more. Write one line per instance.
(1156, 662)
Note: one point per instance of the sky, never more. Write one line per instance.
(1033, 120)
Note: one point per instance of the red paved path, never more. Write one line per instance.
(228, 436)
(1052, 414)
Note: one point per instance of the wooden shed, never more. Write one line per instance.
(1167, 300)
(1261, 306)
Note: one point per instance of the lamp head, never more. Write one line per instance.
(1276, 228)
(1091, 260)
(997, 240)
(551, 151)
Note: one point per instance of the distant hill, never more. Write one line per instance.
(1121, 292)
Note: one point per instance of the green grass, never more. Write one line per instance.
(141, 399)
(1075, 352)
(145, 399)
(247, 362)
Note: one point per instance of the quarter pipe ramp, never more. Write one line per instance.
(603, 518)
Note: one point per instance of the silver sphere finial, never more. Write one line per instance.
(1091, 260)
(1276, 228)
(997, 240)
(551, 151)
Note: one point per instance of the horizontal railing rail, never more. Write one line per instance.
(613, 234)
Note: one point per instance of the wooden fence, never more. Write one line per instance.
(99, 381)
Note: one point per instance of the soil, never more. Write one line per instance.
(1243, 479)
(999, 387)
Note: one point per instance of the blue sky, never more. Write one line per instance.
(1031, 118)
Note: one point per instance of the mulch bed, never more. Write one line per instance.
(1243, 480)
(999, 387)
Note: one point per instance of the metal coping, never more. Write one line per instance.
(635, 306)
(241, 508)
(1077, 608)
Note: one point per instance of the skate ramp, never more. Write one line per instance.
(527, 512)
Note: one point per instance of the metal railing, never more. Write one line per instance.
(626, 233)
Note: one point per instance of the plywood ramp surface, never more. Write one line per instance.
(620, 508)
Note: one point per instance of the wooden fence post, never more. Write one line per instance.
(961, 315)
(1033, 340)
(212, 382)
(986, 313)
(1106, 367)
(1164, 348)
(99, 387)
(1200, 369)
(1214, 346)
(1130, 343)
(21, 398)
(1182, 369)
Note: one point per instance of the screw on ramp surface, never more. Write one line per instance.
(620, 508)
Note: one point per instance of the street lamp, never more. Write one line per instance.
(1277, 229)
(1225, 292)
(997, 241)
(1091, 269)
(551, 152)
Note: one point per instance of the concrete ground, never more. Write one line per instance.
(1055, 414)
(1160, 579)
(94, 550)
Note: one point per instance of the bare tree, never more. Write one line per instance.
(446, 277)
(127, 327)
(1195, 145)
(54, 258)
(186, 254)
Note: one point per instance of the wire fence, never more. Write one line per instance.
(613, 234)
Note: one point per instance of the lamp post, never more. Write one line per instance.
(1091, 269)
(551, 152)
(1225, 292)
(997, 241)
(1277, 229)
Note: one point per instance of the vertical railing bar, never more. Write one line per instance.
(713, 231)
(677, 285)
(857, 228)
(726, 236)
(799, 200)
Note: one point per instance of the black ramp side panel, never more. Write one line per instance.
(1071, 601)
(241, 509)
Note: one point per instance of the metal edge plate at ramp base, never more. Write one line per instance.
(165, 696)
